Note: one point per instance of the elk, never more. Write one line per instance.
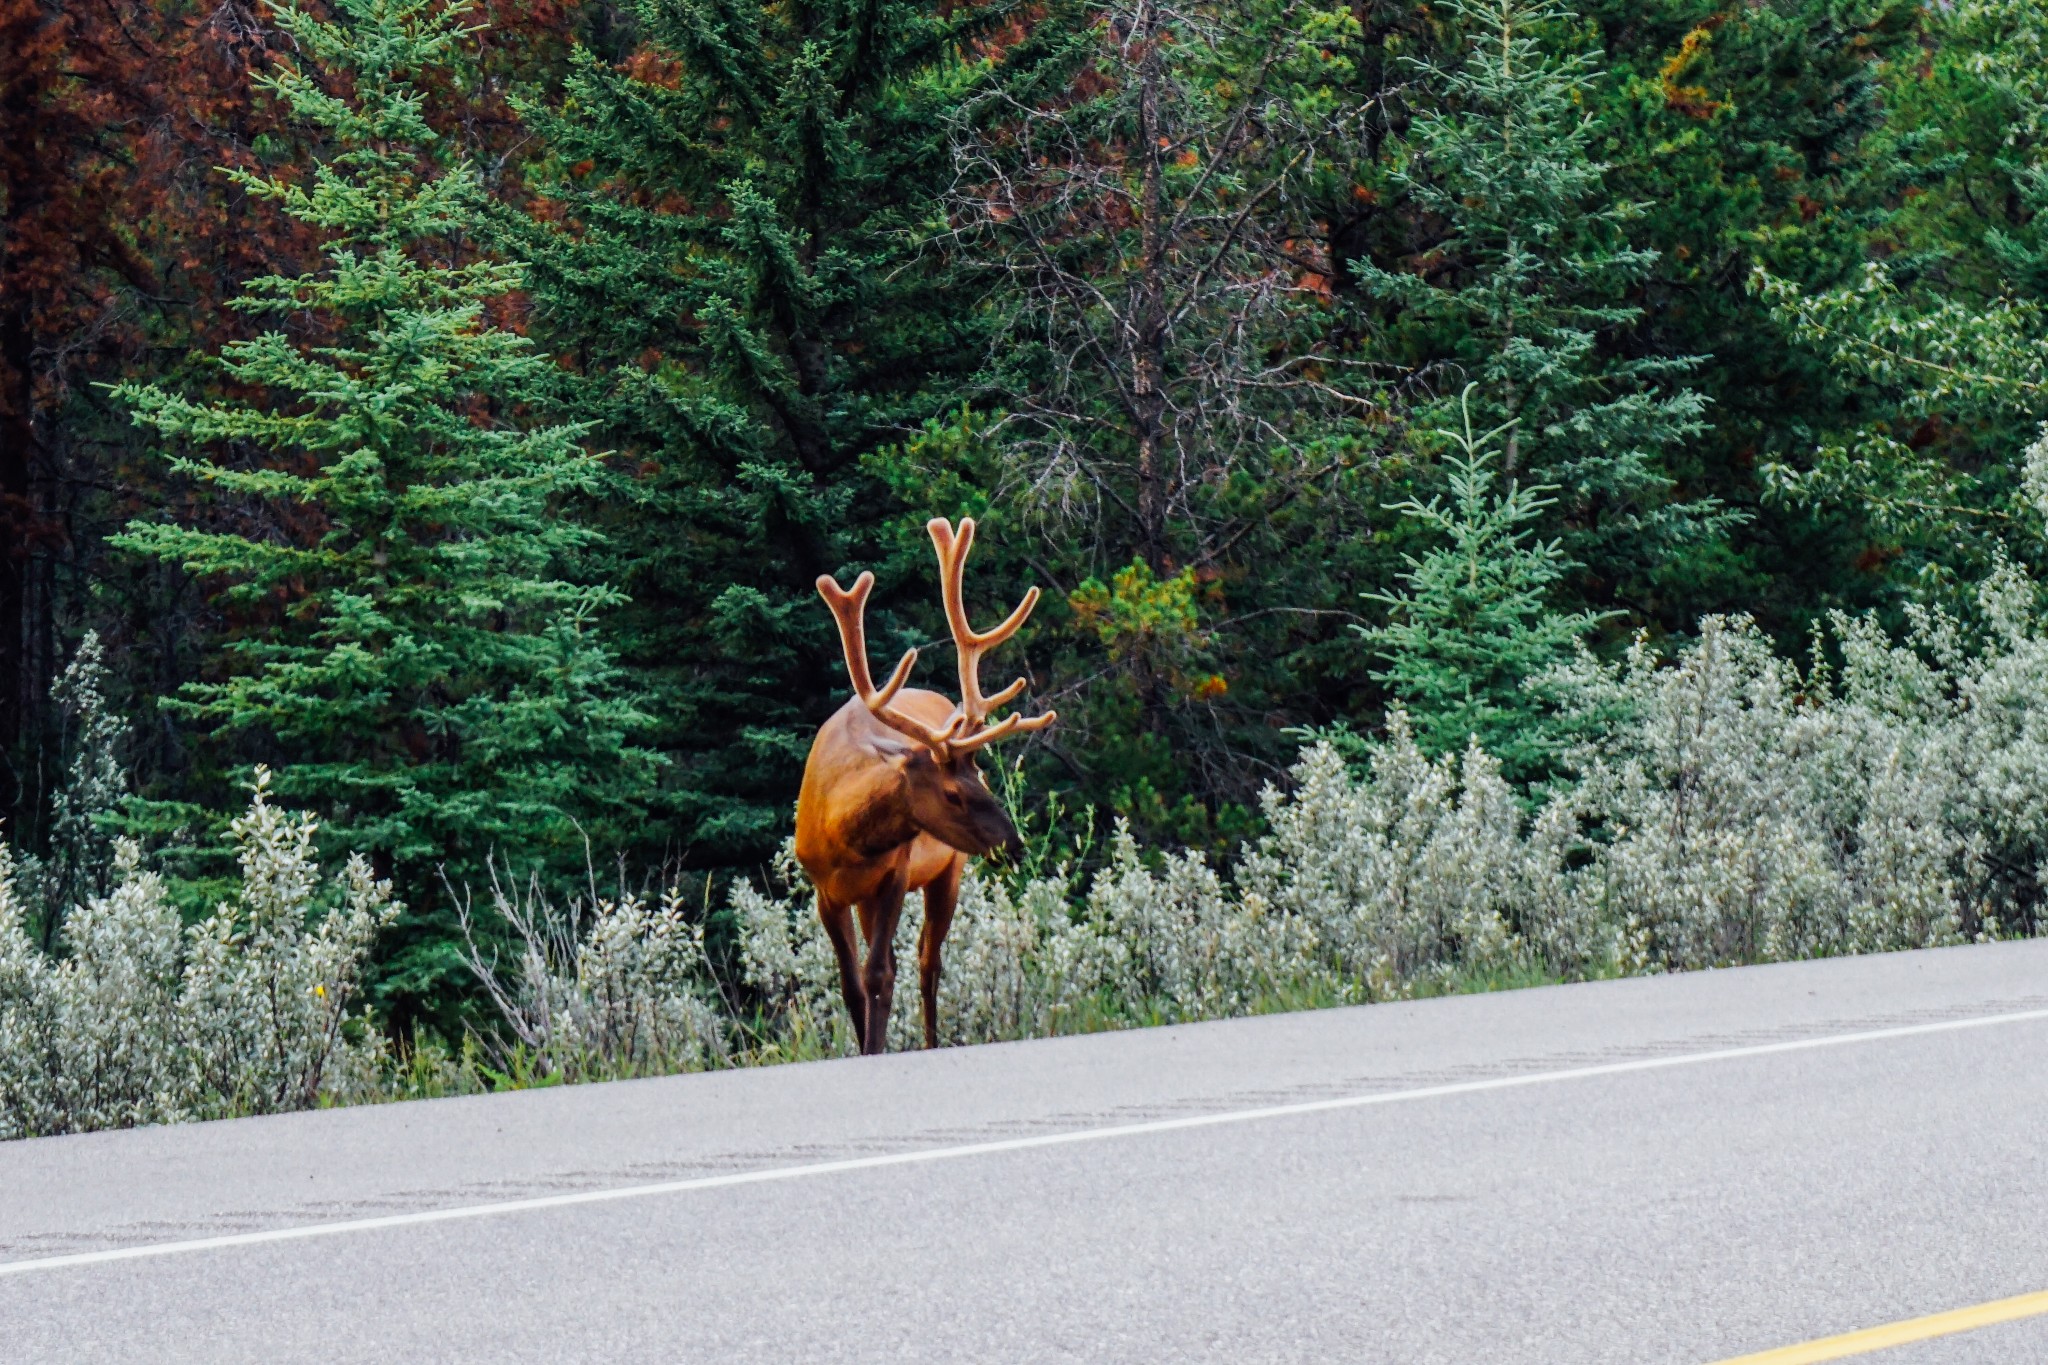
(892, 800)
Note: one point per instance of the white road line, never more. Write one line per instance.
(1020, 1144)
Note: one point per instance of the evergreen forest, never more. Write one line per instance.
(1557, 415)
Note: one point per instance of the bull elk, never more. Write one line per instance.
(893, 801)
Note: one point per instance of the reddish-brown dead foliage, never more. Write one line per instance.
(1690, 100)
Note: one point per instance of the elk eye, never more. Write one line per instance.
(953, 798)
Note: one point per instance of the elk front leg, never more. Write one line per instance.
(838, 922)
(941, 897)
(879, 915)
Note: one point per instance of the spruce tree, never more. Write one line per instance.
(1943, 337)
(1473, 630)
(1755, 135)
(730, 239)
(412, 655)
(1523, 282)
(79, 856)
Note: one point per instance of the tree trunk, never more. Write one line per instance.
(18, 195)
(1148, 388)
(17, 519)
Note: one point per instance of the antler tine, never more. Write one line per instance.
(970, 644)
(849, 609)
(1008, 725)
(1004, 697)
(990, 639)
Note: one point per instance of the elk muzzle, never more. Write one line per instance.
(1000, 840)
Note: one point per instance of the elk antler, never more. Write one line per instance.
(974, 707)
(849, 609)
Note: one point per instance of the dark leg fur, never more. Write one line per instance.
(838, 921)
(878, 918)
(941, 898)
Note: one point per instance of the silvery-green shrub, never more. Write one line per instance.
(620, 989)
(1411, 869)
(1744, 812)
(141, 1020)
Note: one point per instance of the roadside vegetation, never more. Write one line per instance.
(1717, 808)
(1523, 491)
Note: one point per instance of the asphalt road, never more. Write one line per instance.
(1678, 1170)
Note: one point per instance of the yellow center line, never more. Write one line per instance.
(1901, 1333)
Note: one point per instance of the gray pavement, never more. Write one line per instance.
(1573, 1182)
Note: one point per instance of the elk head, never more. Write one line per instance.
(942, 789)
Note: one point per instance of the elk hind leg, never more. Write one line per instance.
(838, 921)
(941, 898)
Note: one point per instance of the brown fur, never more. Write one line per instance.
(893, 802)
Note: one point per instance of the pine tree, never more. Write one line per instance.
(1473, 630)
(1522, 282)
(1184, 429)
(411, 653)
(1156, 279)
(98, 99)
